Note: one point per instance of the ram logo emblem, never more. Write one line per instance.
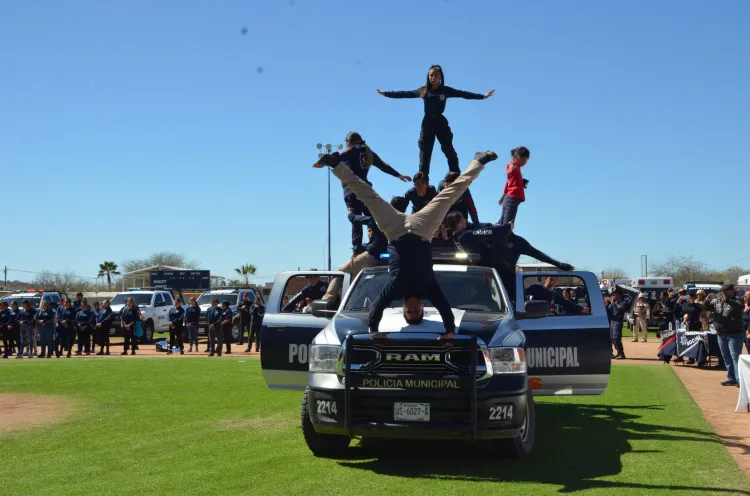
(412, 357)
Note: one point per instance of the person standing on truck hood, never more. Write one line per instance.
(359, 158)
(616, 310)
(411, 275)
(421, 194)
(314, 290)
(377, 244)
(727, 313)
(513, 193)
(192, 318)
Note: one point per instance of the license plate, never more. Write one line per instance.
(411, 412)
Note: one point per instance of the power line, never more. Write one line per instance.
(52, 274)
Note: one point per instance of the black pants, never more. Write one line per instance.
(254, 336)
(130, 340)
(244, 325)
(7, 341)
(357, 208)
(436, 127)
(227, 331)
(175, 335)
(615, 334)
(83, 339)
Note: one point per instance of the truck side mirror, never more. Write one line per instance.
(535, 309)
(322, 308)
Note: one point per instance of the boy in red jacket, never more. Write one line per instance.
(513, 194)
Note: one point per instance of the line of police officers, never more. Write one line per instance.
(55, 329)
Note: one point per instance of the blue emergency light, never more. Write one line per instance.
(385, 255)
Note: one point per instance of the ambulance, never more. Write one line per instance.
(653, 287)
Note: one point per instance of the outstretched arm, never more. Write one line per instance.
(400, 94)
(454, 93)
(525, 248)
(360, 220)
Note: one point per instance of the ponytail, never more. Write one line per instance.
(452, 220)
(368, 156)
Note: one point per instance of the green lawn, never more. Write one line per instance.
(200, 426)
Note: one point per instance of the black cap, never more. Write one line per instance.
(225, 302)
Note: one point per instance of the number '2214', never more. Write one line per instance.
(501, 412)
(327, 407)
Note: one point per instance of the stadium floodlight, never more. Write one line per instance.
(319, 146)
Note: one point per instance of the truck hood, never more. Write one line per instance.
(484, 325)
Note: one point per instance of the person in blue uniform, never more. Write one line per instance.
(616, 310)
(6, 329)
(359, 158)
(314, 290)
(103, 324)
(58, 327)
(78, 301)
(421, 194)
(16, 326)
(465, 203)
(216, 334)
(434, 94)
(85, 324)
(411, 275)
(192, 320)
(478, 239)
(256, 315)
(66, 323)
(244, 309)
(26, 322)
(176, 327)
(45, 323)
(226, 326)
(130, 315)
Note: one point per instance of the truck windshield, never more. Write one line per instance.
(205, 298)
(140, 298)
(34, 300)
(473, 291)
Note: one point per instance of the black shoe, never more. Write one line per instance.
(328, 160)
(182, 352)
(229, 352)
(729, 383)
(41, 355)
(620, 357)
(247, 350)
(211, 354)
(107, 353)
(100, 353)
(49, 356)
(124, 353)
(257, 350)
(132, 352)
(485, 157)
(219, 354)
(68, 355)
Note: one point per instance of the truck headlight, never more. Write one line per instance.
(508, 360)
(323, 358)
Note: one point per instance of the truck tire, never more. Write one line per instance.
(521, 446)
(148, 333)
(321, 445)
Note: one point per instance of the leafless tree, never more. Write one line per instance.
(168, 258)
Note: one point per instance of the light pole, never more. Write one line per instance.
(328, 148)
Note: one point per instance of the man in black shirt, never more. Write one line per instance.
(257, 314)
(244, 309)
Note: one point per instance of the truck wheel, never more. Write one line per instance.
(521, 446)
(322, 445)
(148, 333)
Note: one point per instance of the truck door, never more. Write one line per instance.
(286, 336)
(568, 352)
(162, 304)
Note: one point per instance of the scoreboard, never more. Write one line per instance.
(181, 279)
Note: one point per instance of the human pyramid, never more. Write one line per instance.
(435, 213)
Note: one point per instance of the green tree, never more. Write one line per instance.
(108, 269)
(246, 271)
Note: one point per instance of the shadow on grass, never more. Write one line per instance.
(575, 444)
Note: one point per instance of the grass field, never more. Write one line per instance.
(200, 426)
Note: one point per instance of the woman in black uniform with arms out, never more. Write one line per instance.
(434, 124)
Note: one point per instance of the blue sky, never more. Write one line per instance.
(134, 127)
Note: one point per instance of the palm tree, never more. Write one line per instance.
(108, 269)
(246, 271)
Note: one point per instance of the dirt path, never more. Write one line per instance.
(715, 401)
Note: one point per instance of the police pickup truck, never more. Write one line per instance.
(412, 385)
(35, 297)
(154, 305)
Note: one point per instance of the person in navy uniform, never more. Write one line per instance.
(421, 194)
(546, 292)
(192, 319)
(479, 239)
(25, 320)
(226, 326)
(95, 308)
(435, 94)
(176, 327)
(359, 158)
(45, 320)
(85, 324)
(244, 309)
(103, 324)
(66, 323)
(16, 326)
(616, 310)
(130, 315)
(314, 290)
(59, 331)
(256, 315)
(410, 268)
(6, 329)
(79, 301)
(216, 334)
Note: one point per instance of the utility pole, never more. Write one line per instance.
(6, 276)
